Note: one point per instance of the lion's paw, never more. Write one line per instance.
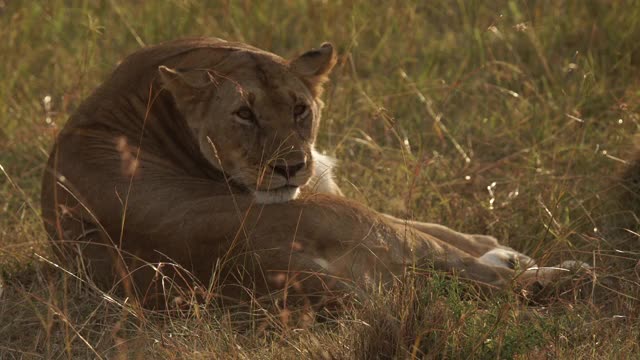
(506, 257)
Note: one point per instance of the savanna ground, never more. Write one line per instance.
(511, 118)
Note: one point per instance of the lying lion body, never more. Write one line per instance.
(195, 163)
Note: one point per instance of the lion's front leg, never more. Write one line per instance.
(481, 258)
(485, 248)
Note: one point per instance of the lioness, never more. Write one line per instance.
(195, 163)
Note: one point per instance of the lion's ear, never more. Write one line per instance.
(314, 66)
(182, 82)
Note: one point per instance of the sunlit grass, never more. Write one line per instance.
(510, 118)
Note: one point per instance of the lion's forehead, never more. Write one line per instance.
(262, 72)
(250, 71)
(275, 99)
(273, 92)
(271, 84)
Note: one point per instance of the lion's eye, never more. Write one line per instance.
(246, 114)
(300, 111)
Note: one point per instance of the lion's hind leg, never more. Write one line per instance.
(84, 250)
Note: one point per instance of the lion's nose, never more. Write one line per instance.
(288, 170)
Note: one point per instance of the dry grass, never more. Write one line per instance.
(511, 118)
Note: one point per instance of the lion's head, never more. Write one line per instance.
(255, 116)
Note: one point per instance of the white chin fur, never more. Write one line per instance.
(277, 196)
(324, 163)
(322, 181)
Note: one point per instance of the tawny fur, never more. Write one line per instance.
(154, 178)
